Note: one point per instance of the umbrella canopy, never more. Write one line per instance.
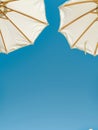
(79, 24)
(21, 21)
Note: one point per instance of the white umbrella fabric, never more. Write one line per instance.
(79, 24)
(21, 22)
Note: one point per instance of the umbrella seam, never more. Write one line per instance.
(82, 2)
(3, 41)
(84, 32)
(17, 28)
(77, 18)
(26, 15)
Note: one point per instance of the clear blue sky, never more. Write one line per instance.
(48, 86)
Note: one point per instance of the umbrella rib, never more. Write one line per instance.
(2, 18)
(84, 32)
(81, 2)
(16, 27)
(3, 41)
(26, 15)
(6, 2)
(77, 18)
(96, 49)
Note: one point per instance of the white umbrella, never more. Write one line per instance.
(21, 21)
(79, 24)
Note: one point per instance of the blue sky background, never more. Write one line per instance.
(48, 86)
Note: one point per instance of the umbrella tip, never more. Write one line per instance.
(59, 7)
(47, 24)
(59, 30)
